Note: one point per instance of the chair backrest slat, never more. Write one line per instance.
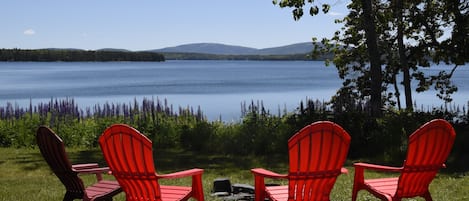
(428, 149)
(316, 153)
(129, 155)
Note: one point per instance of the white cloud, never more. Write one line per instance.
(334, 13)
(29, 32)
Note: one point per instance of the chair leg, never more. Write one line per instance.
(354, 194)
(102, 199)
(259, 188)
(358, 182)
(427, 196)
(70, 196)
(197, 187)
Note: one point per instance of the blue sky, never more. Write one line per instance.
(154, 24)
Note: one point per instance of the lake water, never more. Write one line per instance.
(218, 87)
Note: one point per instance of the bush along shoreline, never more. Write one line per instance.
(259, 131)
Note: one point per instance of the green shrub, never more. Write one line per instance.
(258, 133)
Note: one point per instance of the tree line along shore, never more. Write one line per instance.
(76, 55)
(73, 55)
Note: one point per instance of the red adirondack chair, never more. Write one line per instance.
(53, 151)
(129, 155)
(316, 154)
(428, 149)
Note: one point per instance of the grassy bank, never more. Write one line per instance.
(25, 176)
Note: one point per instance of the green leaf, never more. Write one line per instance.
(297, 13)
(314, 10)
(325, 8)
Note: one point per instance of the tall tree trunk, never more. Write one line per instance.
(396, 89)
(375, 63)
(402, 56)
(460, 34)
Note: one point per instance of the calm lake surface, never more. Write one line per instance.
(218, 87)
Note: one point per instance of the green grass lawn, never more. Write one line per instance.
(25, 176)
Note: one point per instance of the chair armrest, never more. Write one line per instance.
(85, 166)
(185, 173)
(267, 173)
(359, 178)
(377, 167)
(93, 170)
(259, 181)
(343, 170)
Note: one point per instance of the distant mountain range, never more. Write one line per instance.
(218, 51)
(222, 49)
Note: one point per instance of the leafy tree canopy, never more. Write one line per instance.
(410, 36)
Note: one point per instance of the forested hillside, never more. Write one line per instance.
(201, 56)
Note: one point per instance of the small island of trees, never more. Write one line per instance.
(73, 55)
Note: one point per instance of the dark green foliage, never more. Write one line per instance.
(258, 133)
(195, 138)
(47, 55)
(383, 40)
